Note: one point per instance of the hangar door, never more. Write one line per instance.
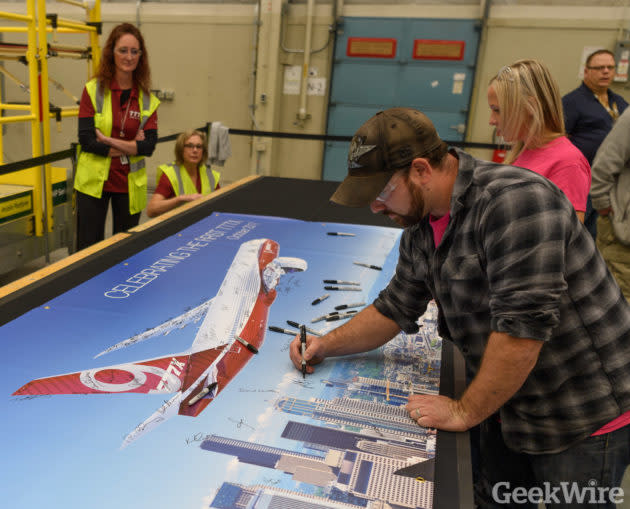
(427, 64)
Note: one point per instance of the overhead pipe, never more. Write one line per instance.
(310, 5)
(484, 8)
(622, 32)
(74, 2)
(283, 46)
(44, 113)
(267, 77)
(252, 81)
(138, 5)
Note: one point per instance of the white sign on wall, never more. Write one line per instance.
(315, 85)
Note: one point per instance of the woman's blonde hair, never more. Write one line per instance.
(529, 104)
(181, 141)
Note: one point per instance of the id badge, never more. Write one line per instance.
(124, 159)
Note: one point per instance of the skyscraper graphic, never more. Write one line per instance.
(254, 453)
(314, 469)
(237, 496)
(321, 438)
(382, 419)
(362, 474)
(373, 476)
(395, 393)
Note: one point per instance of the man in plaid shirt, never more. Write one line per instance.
(521, 290)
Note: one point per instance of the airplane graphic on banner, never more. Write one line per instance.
(232, 332)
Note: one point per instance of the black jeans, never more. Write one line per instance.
(92, 212)
(582, 476)
(590, 218)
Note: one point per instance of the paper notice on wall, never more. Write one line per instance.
(622, 66)
(315, 85)
(458, 83)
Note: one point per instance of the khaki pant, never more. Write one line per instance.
(617, 255)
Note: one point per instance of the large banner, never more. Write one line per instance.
(165, 381)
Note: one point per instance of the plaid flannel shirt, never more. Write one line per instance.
(515, 259)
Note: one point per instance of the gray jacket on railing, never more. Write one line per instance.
(610, 185)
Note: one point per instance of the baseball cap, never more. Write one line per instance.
(386, 143)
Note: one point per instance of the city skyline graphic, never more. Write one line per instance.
(354, 442)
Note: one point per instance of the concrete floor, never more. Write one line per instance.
(32, 266)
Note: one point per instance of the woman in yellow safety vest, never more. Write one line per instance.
(117, 129)
(186, 179)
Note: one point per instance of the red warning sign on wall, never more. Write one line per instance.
(371, 47)
(431, 49)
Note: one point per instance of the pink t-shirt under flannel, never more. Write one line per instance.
(439, 227)
(562, 163)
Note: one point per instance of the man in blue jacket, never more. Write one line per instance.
(590, 111)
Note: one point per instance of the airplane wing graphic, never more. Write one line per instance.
(165, 412)
(179, 322)
(199, 388)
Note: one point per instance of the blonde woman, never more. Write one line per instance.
(186, 179)
(526, 109)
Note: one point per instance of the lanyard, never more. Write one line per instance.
(613, 111)
(124, 119)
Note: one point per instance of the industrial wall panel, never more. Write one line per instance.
(432, 70)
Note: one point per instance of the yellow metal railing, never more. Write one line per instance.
(36, 51)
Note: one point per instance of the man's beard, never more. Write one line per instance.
(417, 207)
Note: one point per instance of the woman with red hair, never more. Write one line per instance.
(117, 129)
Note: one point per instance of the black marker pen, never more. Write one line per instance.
(375, 267)
(320, 299)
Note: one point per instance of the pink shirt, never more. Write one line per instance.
(615, 424)
(562, 163)
(439, 227)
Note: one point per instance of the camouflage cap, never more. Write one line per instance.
(386, 143)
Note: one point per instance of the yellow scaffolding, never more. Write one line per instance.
(36, 51)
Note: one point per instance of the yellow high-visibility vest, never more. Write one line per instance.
(93, 169)
(182, 183)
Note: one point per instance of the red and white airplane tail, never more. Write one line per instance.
(160, 375)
